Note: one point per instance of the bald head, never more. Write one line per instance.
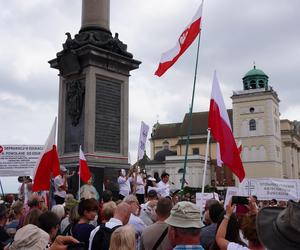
(123, 212)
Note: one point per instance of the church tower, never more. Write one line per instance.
(256, 124)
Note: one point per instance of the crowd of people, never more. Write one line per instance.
(146, 215)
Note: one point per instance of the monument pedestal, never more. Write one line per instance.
(94, 70)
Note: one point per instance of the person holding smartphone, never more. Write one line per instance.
(248, 227)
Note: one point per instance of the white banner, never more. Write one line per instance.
(206, 196)
(18, 160)
(142, 140)
(267, 188)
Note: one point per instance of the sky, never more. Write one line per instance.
(235, 34)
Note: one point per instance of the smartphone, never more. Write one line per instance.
(240, 200)
(76, 246)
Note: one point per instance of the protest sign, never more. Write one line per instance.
(271, 188)
(206, 196)
(18, 160)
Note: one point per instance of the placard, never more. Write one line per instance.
(18, 160)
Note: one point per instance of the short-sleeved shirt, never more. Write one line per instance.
(236, 246)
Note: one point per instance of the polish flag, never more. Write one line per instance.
(47, 164)
(219, 124)
(84, 172)
(185, 40)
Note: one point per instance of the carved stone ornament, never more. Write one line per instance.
(99, 39)
(75, 98)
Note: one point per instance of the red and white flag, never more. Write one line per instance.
(84, 172)
(47, 164)
(185, 40)
(219, 124)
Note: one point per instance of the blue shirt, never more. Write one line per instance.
(81, 232)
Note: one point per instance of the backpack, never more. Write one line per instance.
(68, 230)
(101, 239)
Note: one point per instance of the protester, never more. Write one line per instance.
(208, 233)
(30, 237)
(49, 222)
(61, 186)
(155, 236)
(4, 236)
(278, 228)
(164, 184)
(15, 215)
(147, 213)
(32, 217)
(152, 186)
(108, 211)
(100, 236)
(87, 210)
(124, 183)
(88, 191)
(208, 203)
(69, 204)
(123, 238)
(248, 229)
(59, 210)
(70, 221)
(138, 182)
(184, 226)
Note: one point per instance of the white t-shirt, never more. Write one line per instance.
(140, 185)
(58, 182)
(236, 246)
(124, 185)
(163, 189)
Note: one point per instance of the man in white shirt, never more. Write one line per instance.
(134, 220)
(163, 185)
(124, 183)
(61, 186)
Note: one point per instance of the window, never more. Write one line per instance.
(195, 151)
(252, 125)
(252, 110)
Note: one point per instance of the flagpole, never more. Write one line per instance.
(204, 170)
(79, 175)
(190, 116)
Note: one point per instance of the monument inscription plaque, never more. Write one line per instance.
(108, 116)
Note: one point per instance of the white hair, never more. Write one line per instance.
(59, 210)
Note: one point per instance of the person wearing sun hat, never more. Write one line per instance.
(279, 228)
(184, 226)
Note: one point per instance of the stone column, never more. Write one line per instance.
(95, 14)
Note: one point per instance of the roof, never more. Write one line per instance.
(199, 126)
(166, 131)
(255, 72)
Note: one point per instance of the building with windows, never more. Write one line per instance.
(271, 147)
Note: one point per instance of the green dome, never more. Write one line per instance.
(255, 72)
(255, 79)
